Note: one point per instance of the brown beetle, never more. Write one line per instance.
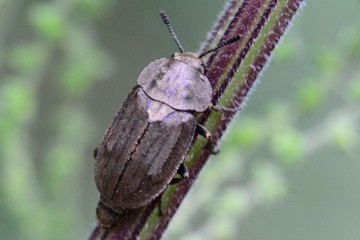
(147, 141)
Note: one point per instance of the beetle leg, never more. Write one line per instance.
(95, 152)
(159, 205)
(206, 133)
(223, 108)
(183, 172)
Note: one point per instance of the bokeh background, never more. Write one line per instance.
(288, 167)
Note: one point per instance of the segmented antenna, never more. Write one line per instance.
(168, 25)
(222, 44)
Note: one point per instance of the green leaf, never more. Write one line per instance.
(245, 134)
(287, 144)
(310, 95)
(270, 185)
(48, 20)
(344, 133)
(354, 90)
(25, 57)
(17, 100)
(328, 60)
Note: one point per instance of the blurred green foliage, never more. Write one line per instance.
(42, 144)
(48, 21)
(53, 54)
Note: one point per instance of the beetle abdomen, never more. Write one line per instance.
(155, 161)
(141, 151)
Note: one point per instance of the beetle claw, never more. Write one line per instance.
(183, 172)
(217, 108)
(210, 146)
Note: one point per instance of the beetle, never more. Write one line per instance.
(148, 139)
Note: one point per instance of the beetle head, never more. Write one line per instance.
(190, 59)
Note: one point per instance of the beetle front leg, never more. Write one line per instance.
(183, 172)
(206, 133)
(223, 108)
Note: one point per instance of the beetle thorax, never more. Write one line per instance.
(191, 59)
(178, 82)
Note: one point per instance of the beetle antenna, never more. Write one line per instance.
(168, 25)
(222, 44)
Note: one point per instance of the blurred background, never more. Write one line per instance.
(288, 168)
